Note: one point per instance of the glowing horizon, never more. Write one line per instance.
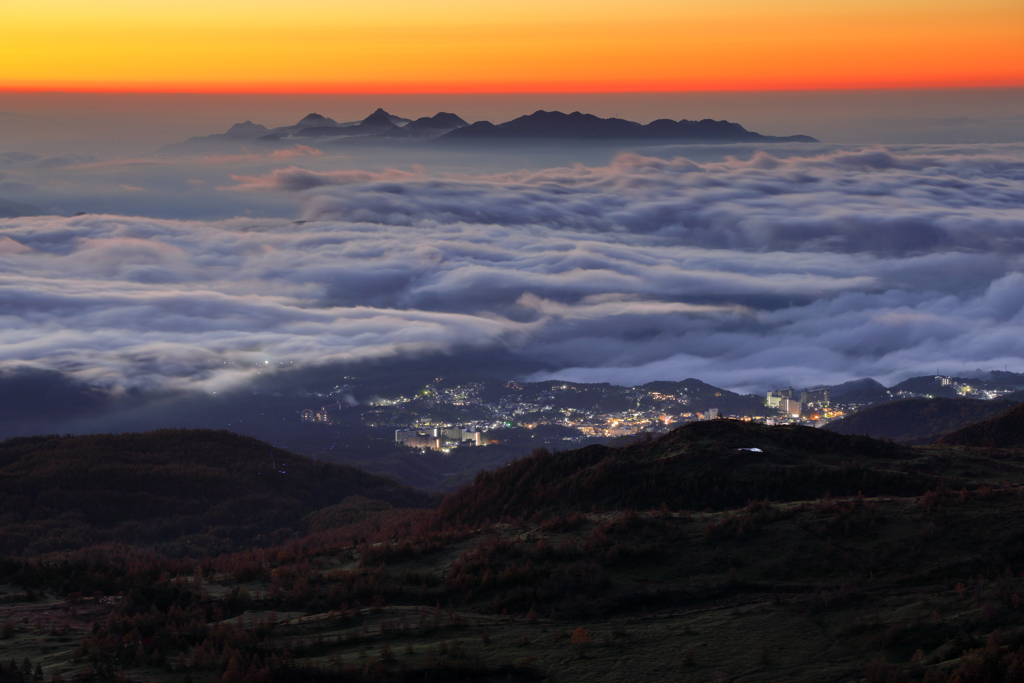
(317, 46)
(172, 88)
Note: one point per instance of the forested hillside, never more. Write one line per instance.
(722, 551)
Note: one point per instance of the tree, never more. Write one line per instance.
(581, 639)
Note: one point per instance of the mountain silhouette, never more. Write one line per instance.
(427, 126)
(865, 390)
(378, 123)
(379, 120)
(396, 120)
(12, 209)
(579, 126)
(246, 130)
(315, 119)
(450, 128)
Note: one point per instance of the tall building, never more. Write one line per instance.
(776, 396)
(784, 400)
(790, 407)
(437, 438)
(818, 396)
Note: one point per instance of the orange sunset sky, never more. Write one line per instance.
(508, 46)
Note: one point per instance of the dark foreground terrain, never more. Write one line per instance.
(722, 551)
(919, 421)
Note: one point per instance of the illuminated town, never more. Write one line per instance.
(442, 416)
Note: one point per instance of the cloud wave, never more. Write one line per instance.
(745, 273)
(849, 201)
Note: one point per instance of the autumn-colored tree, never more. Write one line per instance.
(581, 639)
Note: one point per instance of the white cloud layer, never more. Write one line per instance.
(802, 270)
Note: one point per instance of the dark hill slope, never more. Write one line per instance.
(702, 396)
(866, 390)
(918, 420)
(211, 490)
(699, 466)
(1005, 430)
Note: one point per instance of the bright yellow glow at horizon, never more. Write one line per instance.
(505, 46)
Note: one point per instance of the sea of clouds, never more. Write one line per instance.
(773, 268)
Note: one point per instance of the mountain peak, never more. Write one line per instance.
(444, 118)
(315, 119)
(246, 128)
(381, 116)
(377, 121)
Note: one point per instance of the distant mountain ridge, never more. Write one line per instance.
(12, 209)
(579, 126)
(447, 128)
